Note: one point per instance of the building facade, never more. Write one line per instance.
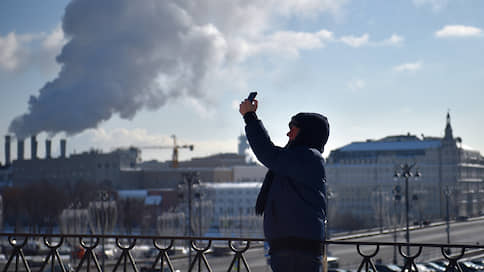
(92, 166)
(233, 208)
(361, 178)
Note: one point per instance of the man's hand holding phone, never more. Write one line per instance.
(249, 104)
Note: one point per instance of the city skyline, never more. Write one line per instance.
(374, 68)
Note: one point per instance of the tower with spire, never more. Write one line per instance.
(448, 141)
(448, 136)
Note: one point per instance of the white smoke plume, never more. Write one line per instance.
(123, 56)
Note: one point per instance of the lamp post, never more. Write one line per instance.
(189, 179)
(330, 195)
(447, 192)
(103, 196)
(405, 171)
(397, 196)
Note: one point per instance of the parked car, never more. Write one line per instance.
(442, 263)
(387, 268)
(336, 270)
(150, 269)
(479, 261)
(58, 268)
(435, 267)
(424, 268)
(468, 266)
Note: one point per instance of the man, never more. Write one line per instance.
(293, 195)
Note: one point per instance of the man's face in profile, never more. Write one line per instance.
(293, 132)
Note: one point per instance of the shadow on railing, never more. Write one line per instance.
(43, 252)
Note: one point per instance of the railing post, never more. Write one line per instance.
(17, 253)
(367, 262)
(200, 256)
(238, 257)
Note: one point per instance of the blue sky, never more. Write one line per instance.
(375, 68)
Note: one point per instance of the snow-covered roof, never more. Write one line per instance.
(391, 146)
(141, 194)
(132, 193)
(232, 185)
(153, 200)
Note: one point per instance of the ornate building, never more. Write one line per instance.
(360, 175)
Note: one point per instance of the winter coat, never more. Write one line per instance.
(296, 201)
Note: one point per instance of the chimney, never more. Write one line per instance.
(20, 149)
(63, 148)
(7, 150)
(33, 147)
(48, 145)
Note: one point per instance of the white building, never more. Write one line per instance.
(360, 175)
(233, 207)
(249, 173)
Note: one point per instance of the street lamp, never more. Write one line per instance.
(189, 178)
(447, 192)
(397, 196)
(330, 195)
(103, 196)
(405, 171)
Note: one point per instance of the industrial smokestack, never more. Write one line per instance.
(48, 145)
(7, 150)
(20, 149)
(33, 147)
(63, 148)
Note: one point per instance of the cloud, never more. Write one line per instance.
(355, 41)
(408, 67)
(139, 137)
(364, 40)
(12, 53)
(450, 31)
(290, 42)
(235, 105)
(308, 7)
(55, 40)
(356, 84)
(393, 40)
(18, 52)
(436, 5)
(126, 137)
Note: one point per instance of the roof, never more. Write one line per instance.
(390, 146)
(231, 185)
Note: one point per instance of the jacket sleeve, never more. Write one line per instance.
(273, 157)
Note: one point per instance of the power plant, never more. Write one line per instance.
(20, 149)
(48, 145)
(33, 149)
(121, 168)
(7, 150)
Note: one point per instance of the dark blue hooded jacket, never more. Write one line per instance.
(295, 206)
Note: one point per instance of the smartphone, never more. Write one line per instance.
(252, 96)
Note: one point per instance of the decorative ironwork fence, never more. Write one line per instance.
(85, 256)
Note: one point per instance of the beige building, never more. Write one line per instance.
(361, 178)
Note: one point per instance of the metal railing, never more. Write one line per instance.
(15, 246)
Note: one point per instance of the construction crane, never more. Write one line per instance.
(175, 148)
